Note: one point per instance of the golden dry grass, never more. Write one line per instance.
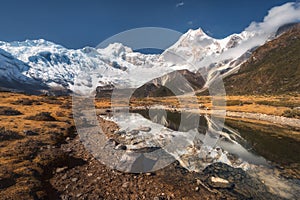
(263, 104)
(271, 105)
(23, 160)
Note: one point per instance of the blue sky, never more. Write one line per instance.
(79, 23)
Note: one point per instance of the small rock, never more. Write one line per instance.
(125, 185)
(74, 179)
(61, 169)
(197, 189)
(217, 182)
(133, 132)
(120, 147)
(144, 129)
(112, 141)
(68, 150)
(279, 167)
(64, 176)
(148, 174)
(64, 197)
(89, 174)
(120, 132)
(30, 133)
(78, 195)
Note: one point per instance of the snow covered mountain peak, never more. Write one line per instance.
(115, 49)
(56, 66)
(25, 49)
(197, 33)
(30, 43)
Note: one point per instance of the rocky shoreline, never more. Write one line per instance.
(268, 118)
(92, 180)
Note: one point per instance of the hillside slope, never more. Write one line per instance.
(274, 68)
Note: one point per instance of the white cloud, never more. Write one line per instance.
(277, 16)
(261, 31)
(179, 4)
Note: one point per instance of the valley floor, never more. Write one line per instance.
(282, 111)
(41, 156)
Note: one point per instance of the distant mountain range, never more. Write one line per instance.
(42, 66)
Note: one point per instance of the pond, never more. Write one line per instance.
(253, 146)
(153, 139)
(173, 121)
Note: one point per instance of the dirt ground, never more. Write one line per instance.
(41, 157)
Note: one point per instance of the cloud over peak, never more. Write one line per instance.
(277, 16)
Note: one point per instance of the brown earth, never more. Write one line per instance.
(39, 159)
(42, 158)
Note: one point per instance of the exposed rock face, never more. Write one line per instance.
(235, 181)
(178, 82)
(285, 28)
(184, 80)
(233, 42)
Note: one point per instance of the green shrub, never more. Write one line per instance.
(43, 116)
(8, 111)
(26, 102)
(8, 135)
(237, 102)
(278, 103)
(292, 113)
